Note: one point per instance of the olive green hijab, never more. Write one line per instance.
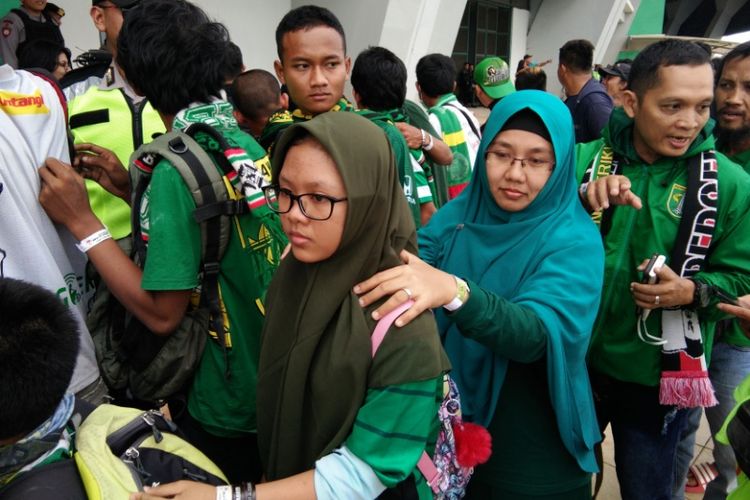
(315, 361)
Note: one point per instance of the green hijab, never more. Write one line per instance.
(315, 361)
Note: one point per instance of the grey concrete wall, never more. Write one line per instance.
(600, 21)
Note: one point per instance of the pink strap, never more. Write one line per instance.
(385, 323)
(427, 467)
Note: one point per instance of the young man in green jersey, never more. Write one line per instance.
(167, 50)
(379, 81)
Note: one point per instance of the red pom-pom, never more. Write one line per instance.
(473, 444)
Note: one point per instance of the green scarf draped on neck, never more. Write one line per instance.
(315, 362)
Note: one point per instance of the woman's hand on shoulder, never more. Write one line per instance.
(416, 280)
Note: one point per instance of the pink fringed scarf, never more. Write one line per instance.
(684, 378)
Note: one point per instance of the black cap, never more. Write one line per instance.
(620, 69)
(123, 4)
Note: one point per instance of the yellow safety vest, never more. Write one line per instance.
(109, 119)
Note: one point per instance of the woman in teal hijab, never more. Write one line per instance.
(514, 268)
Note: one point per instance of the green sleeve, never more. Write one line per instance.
(585, 153)
(728, 264)
(507, 329)
(174, 242)
(394, 426)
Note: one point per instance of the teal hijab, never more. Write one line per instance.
(548, 258)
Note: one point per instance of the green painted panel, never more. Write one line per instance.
(6, 5)
(649, 20)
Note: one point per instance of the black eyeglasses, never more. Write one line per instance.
(314, 206)
(505, 160)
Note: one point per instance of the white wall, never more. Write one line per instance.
(251, 24)
(556, 22)
(410, 28)
(519, 26)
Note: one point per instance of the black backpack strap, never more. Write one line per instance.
(468, 119)
(213, 209)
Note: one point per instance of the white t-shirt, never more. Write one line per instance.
(32, 247)
(472, 139)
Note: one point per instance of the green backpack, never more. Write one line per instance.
(133, 360)
(121, 450)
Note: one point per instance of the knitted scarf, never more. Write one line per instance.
(459, 171)
(246, 178)
(402, 156)
(279, 121)
(48, 443)
(684, 378)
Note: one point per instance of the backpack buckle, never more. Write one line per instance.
(211, 268)
(177, 145)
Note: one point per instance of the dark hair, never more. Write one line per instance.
(436, 75)
(577, 55)
(532, 78)
(167, 49)
(232, 61)
(305, 18)
(379, 77)
(38, 351)
(741, 51)
(41, 54)
(256, 93)
(644, 72)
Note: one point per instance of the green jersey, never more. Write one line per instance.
(224, 406)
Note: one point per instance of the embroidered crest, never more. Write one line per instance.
(7, 28)
(676, 200)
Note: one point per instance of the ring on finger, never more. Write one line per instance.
(657, 300)
(407, 292)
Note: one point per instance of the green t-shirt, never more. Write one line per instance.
(394, 426)
(225, 407)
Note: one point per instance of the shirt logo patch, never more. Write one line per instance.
(14, 103)
(676, 200)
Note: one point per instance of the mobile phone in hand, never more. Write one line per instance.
(654, 264)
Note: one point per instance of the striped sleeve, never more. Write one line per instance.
(394, 426)
(424, 193)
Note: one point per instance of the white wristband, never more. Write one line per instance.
(429, 145)
(92, 240)
(224, 493)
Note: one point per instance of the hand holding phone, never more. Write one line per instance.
(654, 264)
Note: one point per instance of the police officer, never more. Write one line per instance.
(30, 22)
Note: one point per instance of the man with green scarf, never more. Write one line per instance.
(656, 186)
(220, 418)
(730, 358)
(379, 81)
(436, 81)
(313, 64)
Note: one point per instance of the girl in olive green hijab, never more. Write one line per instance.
(334, 422)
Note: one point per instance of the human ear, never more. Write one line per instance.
(629, 103)
(97, 15)
(279, 69)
